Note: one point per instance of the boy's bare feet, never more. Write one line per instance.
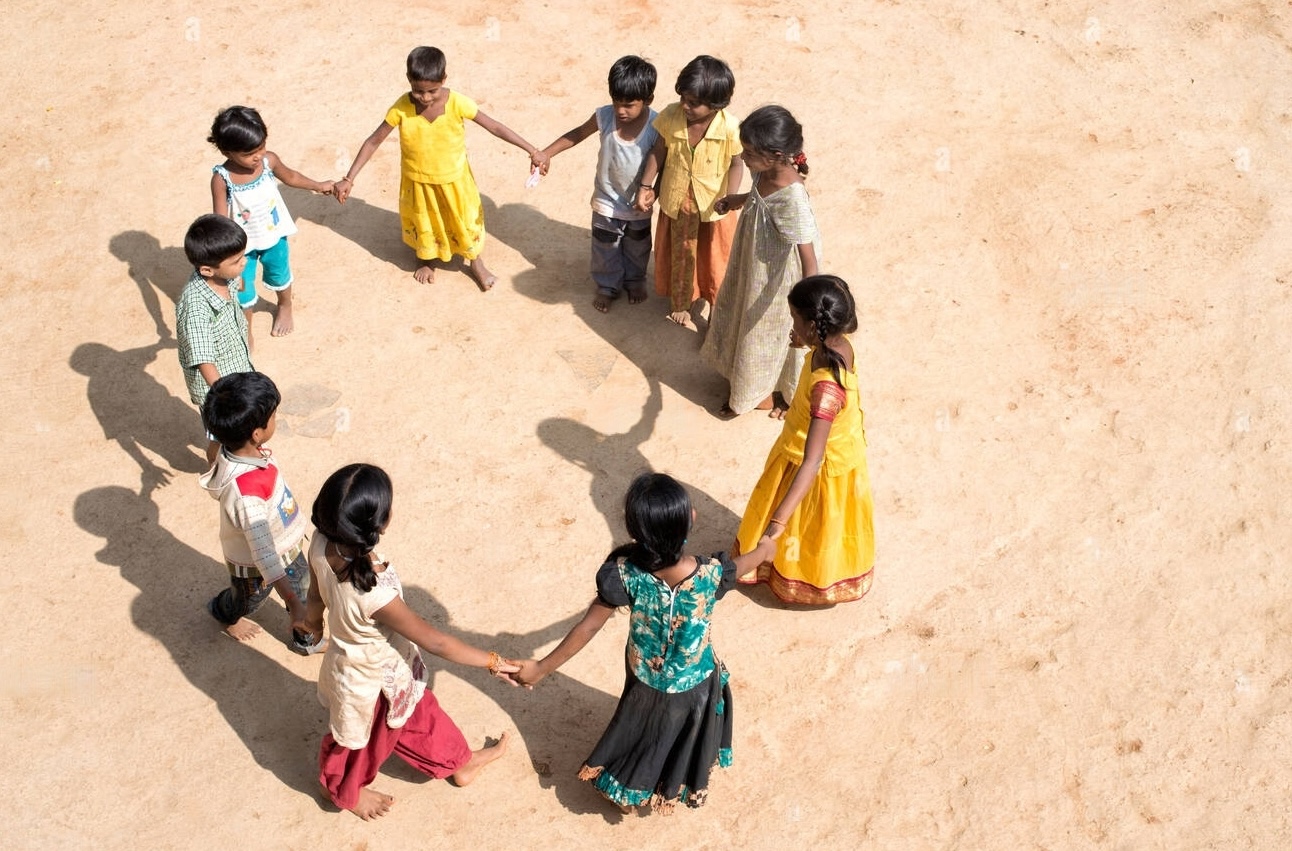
(636, 298)
(243, 629)
(479, 759)
(484, 278)
(283, 324)
(602, 304)
(424, 274)
(372, 804)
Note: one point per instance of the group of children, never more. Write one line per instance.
(807, 530)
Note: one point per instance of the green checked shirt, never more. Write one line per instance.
(211, 329)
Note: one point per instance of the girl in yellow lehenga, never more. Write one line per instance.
(439, 204)
(814, 494)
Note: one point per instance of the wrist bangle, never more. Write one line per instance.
(777, 522)
(495, 663)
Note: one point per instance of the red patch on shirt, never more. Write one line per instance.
(258, 482)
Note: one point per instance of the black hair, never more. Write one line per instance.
(352, 510)
(772, 129)
(212, 239)
(427, 64)
(632, 78)
(238, 130)
(237, 405)
(708, 80)
(657, 512)
(826, 302)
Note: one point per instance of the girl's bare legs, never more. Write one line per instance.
(484, 278)
(283, 324)
(479, 759)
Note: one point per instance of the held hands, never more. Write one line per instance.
(341, 189)
(327, 187)
(727, 203)
(529, 674)
(303, 625)
(540, 161)
(504, 669)
(645, 198)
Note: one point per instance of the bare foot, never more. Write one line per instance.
(479, 759)
(283, 324)
(765, 405)
(779, 406)
(726, 412)
(372, 804)
(484, 278)
(636, 298)
(602, 304)
(681, 317)
(243, 629)
(424, 275)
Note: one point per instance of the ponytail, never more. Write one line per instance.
(351, 511)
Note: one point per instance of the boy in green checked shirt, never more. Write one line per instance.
(210, 326)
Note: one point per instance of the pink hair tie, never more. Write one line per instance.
(800, 158)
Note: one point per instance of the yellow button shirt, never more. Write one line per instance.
(703, 170)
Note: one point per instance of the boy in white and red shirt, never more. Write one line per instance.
(262, 528)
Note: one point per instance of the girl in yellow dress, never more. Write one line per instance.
(814, 494)
(439, 204)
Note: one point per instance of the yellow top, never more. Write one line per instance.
(432, 151)
(703, 170)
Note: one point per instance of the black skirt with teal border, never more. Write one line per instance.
(660, 748)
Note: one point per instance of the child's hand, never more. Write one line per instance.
(727, 203)
(645, 198)
(540, 161)
(314, 629)
(341, 189)
(529, 674)
(328, 186)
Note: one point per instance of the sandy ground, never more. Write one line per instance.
(1068, 228)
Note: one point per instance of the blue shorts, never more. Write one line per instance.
(278, 271)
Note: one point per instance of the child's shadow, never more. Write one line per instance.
(560, 720)
(137, 412)
(559, 253)
(154, 270)
(370, 227)
(274, 711)
(614, 460)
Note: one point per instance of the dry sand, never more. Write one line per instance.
(1068, 226)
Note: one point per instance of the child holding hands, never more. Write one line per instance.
(698, 151)
(245, 188)
(373, 680)
(439, 204)
(673, 722)
(261, 526)
(777, 244)
(620, 231)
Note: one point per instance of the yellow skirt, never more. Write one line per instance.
(442, 219)
(827, 552)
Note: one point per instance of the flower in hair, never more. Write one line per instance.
(800, 158)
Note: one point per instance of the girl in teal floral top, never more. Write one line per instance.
(673, 722)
